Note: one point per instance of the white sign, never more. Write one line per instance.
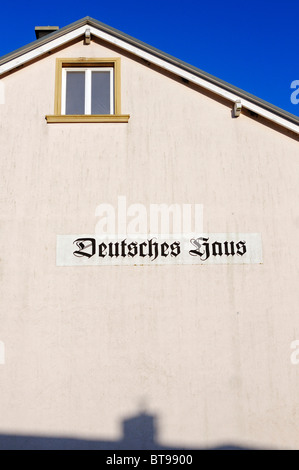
(140, 250)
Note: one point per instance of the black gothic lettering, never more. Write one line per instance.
(164, 248)
(133, 249)
(241, 248)
(216, 249)
(204, 255)
(230, 251)
(85, 244)
(152, 245)
(175, 249)
(116, 249)
(141, 245)
(123, 248)
(102, 248)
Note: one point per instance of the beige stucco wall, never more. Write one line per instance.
(206, 349)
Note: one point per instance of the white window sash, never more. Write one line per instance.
(111, 90)
(87, 91)
(88, 71)
(63, 91)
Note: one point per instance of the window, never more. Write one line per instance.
(87, 90)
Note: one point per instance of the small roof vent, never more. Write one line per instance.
(41, 31)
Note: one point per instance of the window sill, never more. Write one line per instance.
(56, 118)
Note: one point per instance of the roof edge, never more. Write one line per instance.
(44, 40)
(87, 20)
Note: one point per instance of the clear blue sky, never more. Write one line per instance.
(252, 45)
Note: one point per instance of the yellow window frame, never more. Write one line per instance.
(84, 62)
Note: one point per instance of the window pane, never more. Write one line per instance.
(100, 93)
(75, 93)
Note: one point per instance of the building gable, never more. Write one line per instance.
(89, 28)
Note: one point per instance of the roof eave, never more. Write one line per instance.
(42, 41)
(231, 91)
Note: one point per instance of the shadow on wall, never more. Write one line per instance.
(139, 433)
